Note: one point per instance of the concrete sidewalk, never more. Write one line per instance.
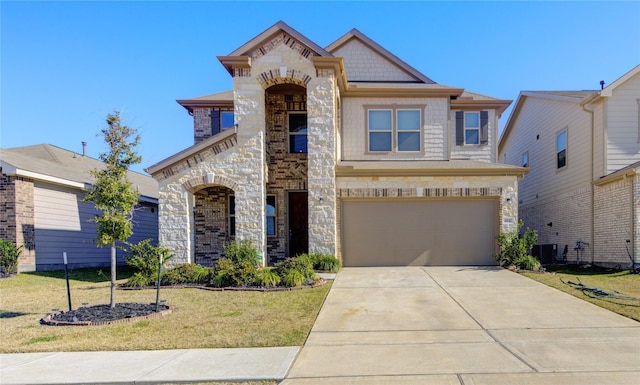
(147, 367)
(462, 326)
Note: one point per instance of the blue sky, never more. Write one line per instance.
(65, 65)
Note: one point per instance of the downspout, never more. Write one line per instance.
(593, 194)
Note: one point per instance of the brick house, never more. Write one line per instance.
(345, 150)
(41, 193)
(583, 149)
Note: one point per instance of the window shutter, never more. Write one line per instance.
(459, 128)
(215, 122)
(484, 127)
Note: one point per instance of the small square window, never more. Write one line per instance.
(226, 120)
(380, 129)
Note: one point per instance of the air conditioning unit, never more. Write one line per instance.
(546, 253)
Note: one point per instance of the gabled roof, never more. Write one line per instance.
(53, 164)
(355, 34)
(270, 32)
(577, 97)
(608, 90)
(220, 99)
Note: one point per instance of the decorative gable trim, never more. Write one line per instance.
(281, 76)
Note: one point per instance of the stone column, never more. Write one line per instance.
(249, 110)
(175, 221)
(321, 118)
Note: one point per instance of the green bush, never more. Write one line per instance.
(239, 267)
(9, 254)
(513, 247)
(303, 264)
(293, 278)
(145, 259)
(325, 262)
(527, 262)
(187, 273)
(267, 277)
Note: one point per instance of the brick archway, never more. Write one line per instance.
(196, 183)
(283, 76)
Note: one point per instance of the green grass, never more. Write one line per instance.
(627, 286)
(201, 318)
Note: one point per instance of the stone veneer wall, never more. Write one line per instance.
(17, 217)
(570, 215)
(613, 222)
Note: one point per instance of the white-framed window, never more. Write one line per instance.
(561, 149)
(270, 215)
(394, 129)
(525, 159)
(472, 127)
(297, 132)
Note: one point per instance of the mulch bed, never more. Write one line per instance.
(105, 315)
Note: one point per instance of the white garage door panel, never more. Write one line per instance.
(419, 232)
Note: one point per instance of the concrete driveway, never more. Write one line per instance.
(462, 325)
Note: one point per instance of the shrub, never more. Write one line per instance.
(267, 277)
(239, 267)
(187, 273)
(527, 262)
(145, 258)
(303, 264)
(325, 262)
(9, 254)
(293, 278)
(513, 247)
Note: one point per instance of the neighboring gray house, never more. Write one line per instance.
(41, 193)
(345, 150)
(583, 149)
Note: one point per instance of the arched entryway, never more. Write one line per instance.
(214, 218)
(287, 161)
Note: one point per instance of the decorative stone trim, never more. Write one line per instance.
(276, 76)
(199, 157)
(325, 73)
(419, 192)
(196, 183)
(285, 39)
(241, 72)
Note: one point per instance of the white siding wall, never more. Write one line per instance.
(599, 142)
(354, 128)
(363, 64)
(621, 114)
(546, 194)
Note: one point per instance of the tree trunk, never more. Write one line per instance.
(112, 302)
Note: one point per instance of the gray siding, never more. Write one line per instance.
(621, 114)
(62, 224)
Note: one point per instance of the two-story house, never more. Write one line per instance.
(582, 193)
(345, 150)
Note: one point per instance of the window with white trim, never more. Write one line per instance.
(471, 128)
(394, 129)
(561, 149)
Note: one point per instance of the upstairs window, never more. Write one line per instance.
(221, 120)
(561, 149)
(525, 159)
(394, 130)
(472, 127)
(297, 133)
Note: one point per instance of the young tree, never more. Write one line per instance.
(112, 193)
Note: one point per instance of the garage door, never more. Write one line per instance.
(419, 232)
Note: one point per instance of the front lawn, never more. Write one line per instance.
(622, 286)
(201, 318)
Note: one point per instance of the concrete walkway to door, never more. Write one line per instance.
(462, 325)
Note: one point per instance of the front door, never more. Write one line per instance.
(297, 212)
